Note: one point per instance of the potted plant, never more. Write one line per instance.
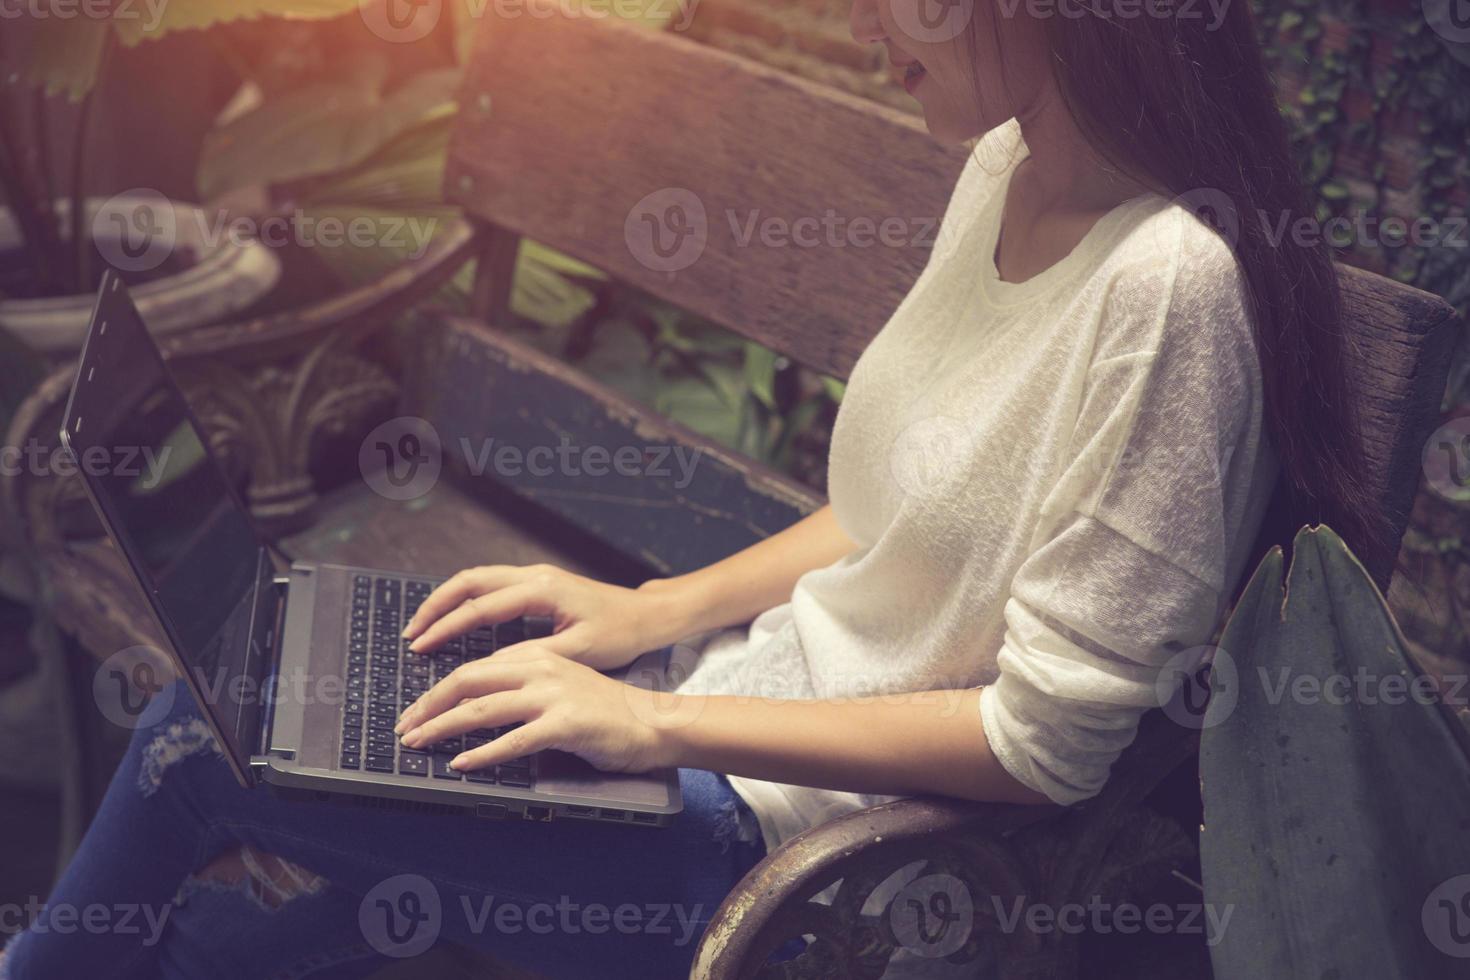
(54, 239)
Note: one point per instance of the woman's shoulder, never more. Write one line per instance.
(1170, 245)
(1171, 273)
(1172, 297)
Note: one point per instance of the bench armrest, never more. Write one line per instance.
(817, 883)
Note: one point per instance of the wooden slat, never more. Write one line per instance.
(1401, 339)
(673, 514)
(571, 124)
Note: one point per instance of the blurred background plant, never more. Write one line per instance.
(335, 127)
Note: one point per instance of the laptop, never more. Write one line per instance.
(301, 674)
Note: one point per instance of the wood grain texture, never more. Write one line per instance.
(1400, 339)
(1111, 846)
(685, 503)
(573, 125)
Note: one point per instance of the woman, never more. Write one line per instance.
(1103, 375)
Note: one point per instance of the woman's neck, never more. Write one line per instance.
(1063, 172)
(1056, 194)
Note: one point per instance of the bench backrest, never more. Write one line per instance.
(794, 214)
(746, 195)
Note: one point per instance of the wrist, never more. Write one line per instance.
(678, 608)
(667, 718)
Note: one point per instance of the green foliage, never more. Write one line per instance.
(354, 147)
(1421, 78)
(1323, 742)
(327, 128)
(65, 52)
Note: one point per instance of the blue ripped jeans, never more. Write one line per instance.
(358, 888)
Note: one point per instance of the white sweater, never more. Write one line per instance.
(1053, 486)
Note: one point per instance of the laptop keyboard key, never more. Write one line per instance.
(440, 763)
(379, 763)
(514, 777)
(413, 764)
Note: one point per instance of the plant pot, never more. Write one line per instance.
(184, 270)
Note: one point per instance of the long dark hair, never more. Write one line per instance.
(1185, 104)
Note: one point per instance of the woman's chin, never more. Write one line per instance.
(945, 128)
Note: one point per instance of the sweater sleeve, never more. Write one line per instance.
(1132, 553)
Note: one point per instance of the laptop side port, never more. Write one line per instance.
(645, 817)
(538, 813)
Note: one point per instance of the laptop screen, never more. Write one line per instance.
(172, 509)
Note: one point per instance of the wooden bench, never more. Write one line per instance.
(589, 136)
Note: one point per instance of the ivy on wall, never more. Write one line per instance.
(1379, 106)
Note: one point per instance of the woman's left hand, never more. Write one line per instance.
(558, 703)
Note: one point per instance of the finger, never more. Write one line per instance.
(458, 589)
(472, 680)
(494, 607)
(490, 711)
(532, 737)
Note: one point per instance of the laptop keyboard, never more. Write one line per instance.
(383, 678)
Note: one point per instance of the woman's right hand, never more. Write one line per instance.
(600, 625)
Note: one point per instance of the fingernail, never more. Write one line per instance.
(412, 738)
(457, 762)
(407, 633)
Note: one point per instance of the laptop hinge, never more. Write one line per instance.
(280, 585)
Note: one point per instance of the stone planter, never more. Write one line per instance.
(187, 270)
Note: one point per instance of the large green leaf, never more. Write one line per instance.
(1336, 799)
(397, 191)
(194, 14)
(760, 373)
(324, 129)
(63, 54)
